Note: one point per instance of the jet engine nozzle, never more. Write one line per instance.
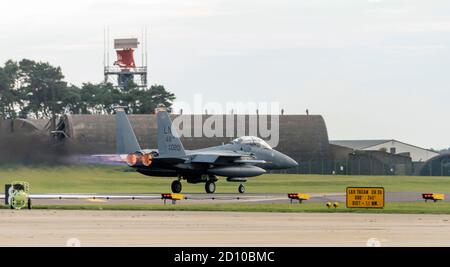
(133, 158)
(147, 159)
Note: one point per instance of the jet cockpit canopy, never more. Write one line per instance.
(251, 141)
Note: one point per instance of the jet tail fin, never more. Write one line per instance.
(169, 144)
(126, 141)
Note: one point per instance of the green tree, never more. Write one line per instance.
(151, 98)
(98, 98)
(129, 96)
(37, 89)
(102, 98)
(43, 88)
(10, 97)
(72, 99)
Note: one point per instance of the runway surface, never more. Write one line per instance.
(203, 198)
(170, 228)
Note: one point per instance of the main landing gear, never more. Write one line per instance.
(176, 186)
(210, 187)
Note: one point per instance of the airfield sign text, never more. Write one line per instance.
(365, 197)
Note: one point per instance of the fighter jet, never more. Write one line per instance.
(244, 157)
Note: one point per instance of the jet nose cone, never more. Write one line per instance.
(286, 162)
(290, 163)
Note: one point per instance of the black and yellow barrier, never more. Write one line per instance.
(298, 196)
(432, 196)
(171, 196)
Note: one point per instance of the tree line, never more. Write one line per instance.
(31, 89)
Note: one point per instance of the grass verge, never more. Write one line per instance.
(107, 179)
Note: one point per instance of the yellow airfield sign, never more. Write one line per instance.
(365, 197)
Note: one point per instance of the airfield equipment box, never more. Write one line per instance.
(172, 196)
(17, 195)
(432, 196)
(298, 196)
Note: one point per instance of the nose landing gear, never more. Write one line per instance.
(241, 189)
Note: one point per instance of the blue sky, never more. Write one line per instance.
(374, 69)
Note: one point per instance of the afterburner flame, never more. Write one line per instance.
(132, 159)
(147, 159)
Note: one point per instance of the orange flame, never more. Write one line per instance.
(132, 159)
(147, 159)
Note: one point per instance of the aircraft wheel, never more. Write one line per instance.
(176, 186)
(210, 187)
(29, 204)
(241, 189)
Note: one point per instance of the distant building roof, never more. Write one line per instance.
(358, 144)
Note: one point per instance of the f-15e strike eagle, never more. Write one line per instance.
(244, 157)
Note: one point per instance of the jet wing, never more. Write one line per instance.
(215, 156)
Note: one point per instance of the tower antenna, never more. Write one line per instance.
(146, 48)
(107, 46)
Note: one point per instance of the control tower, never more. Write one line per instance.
(124, 68)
